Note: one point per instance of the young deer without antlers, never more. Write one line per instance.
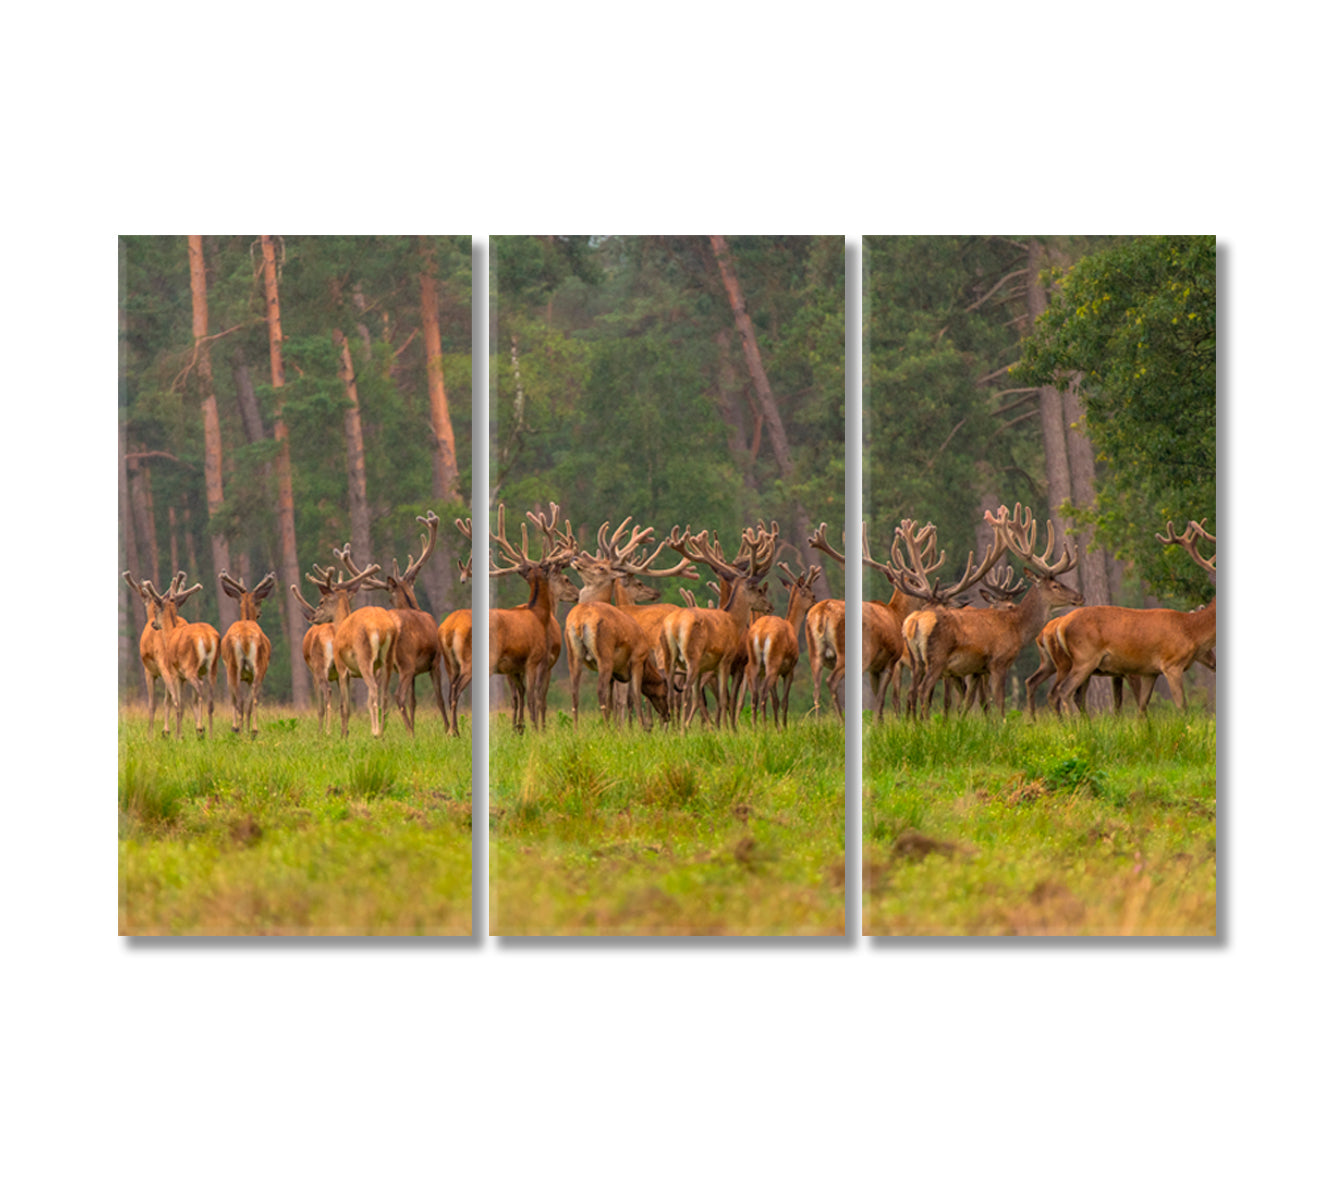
(455, 635)
(245, 648)
(709, 639)
(317, 650)
(191, 654)
(417, 646)
(363, 641)
(520, 648)
(972, 641)
(1144, 642)
(771, 645)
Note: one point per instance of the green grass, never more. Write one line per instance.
(621, 832)
(1102, 826)
(294, 832)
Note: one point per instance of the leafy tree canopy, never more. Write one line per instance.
(1135, 325)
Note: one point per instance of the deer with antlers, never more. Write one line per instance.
(455, 635)
(153, 649)
(363, 640)
(520, 637)
(825, 642)
(1145, 642)
(246, 648)
(771, 645)
(317, 650)
(703, 640)
(611, 631)
(967, 642)
(190, 653)
(417, 645)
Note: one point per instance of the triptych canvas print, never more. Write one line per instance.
(661, 517)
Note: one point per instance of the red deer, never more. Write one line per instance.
(317, 650)
(771, 645)
(1142, 641)
(191, 654)
(455, 634)
(245, 648)
(363, 641)
(153, 651)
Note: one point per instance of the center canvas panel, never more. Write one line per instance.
(665, 533)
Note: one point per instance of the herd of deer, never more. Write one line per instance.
(672, 655)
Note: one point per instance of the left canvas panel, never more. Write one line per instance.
(294, 433)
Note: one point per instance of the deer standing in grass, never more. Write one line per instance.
(966, 642)
(520, 649)
(246, 649)
(152, 652)
(317, 650)
(1145, 642)
(455, 634)
(825, 641)
(771, 645)
(709, 639)
(363, 641)
(417, 646)
(191, 654)
(607, 631)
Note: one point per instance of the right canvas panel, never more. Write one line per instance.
(1039, 609)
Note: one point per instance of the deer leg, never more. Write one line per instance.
(152, 699)
(436, 684)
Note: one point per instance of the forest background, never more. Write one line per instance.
(234, 457)
(1072, 375)
(675, 380)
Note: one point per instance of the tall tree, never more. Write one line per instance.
(222, 561)
(289, 572)
(445, 461)
(1134, 327)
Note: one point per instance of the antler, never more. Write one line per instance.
(1020, 535)
(553, 541)
(306, 606)
(432, 523)
(820, 540)
(1002, 588)
(358, 577)
(1188, 542)
(464, 526)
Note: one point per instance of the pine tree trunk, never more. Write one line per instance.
(227, 607)
(289, 571)
(732, 409)
(1093, 575)
(141, 499)
(768, 406)
(446, 472)
(1049, 404)
(129, 677)
(358, 512)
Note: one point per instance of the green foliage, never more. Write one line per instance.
(369, 288)
(634, 390)
(1137, 325)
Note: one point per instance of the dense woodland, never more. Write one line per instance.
(622, 385)
(278, 397)
(1073, 375)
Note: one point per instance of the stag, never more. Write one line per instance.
(153, 650)
(363, 641)
(417, 645)
(621, 654)
(317, 650)
(710, 639)
(191, 653)
(825, 632)
(520, 647)
(771, 645)
(455, 635)
(972, 641)
(245, 648)
(1145, 642)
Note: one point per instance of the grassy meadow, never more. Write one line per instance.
(1092, 826)
(295, 832)
(608, 831)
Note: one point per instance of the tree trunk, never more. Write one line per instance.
(126, 660)
(1093, 575)
(731, 406)
(358, 512)
(1049, 405)
(227, 607)
(446, 463)
(141, 497)
(768, 406)
(251, 421)
(289, 571)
